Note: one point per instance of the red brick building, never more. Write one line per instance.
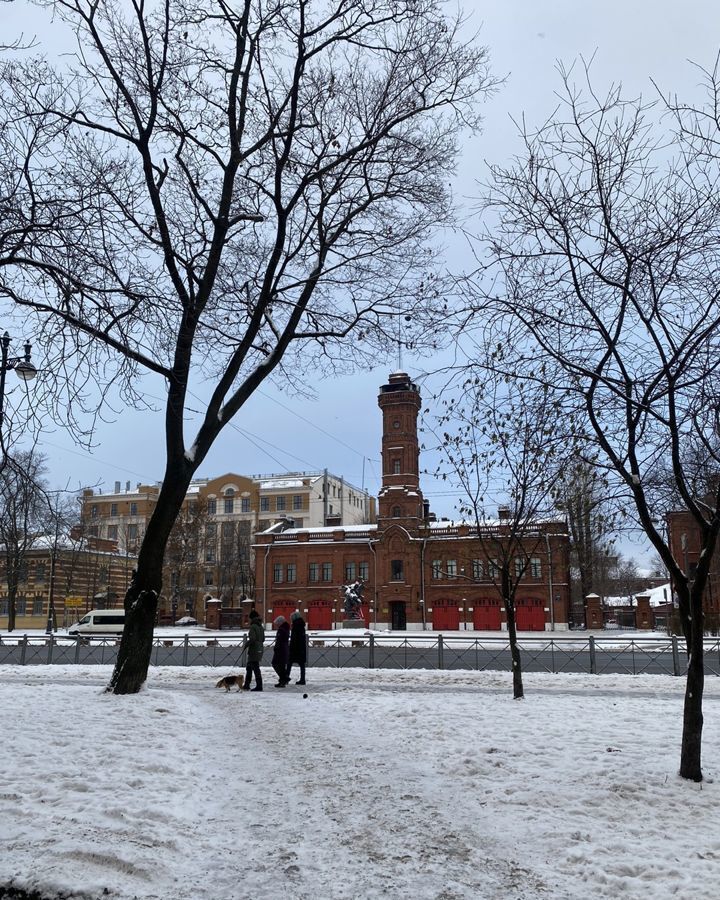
(684, 538)
(418, 573)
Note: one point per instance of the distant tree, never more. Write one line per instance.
(499, 449)
(220, 193)
(583, 499)
(625, 580)
(605, 236)
(24, 519)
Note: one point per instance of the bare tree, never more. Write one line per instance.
(583, 499)
(606, 239)
(217, 193)
(501, 452)
(24, 518)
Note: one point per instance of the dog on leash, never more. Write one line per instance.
(229, 680)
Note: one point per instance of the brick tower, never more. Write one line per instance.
(400, 498)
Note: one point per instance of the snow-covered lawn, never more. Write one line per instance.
(380, 784)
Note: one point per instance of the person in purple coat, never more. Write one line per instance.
(281, 650)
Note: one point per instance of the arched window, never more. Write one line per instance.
(229, 495)
(396, 512)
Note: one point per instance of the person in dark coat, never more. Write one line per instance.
(256, 639)
(281, 649)
(298, 647)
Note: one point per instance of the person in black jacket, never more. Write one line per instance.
(298, 647)
(256, 639)
(281, 650)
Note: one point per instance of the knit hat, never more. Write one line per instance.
(279, 621)
(294, 616)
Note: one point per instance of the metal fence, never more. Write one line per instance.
(596, 656)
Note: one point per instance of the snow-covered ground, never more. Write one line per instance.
(379, 784)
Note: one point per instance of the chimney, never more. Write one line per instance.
(503, 513)
(426, 509)
(117, 487)
(127, 487)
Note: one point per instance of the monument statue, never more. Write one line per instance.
(353, 594)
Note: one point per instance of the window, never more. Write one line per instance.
(396, 512)
(189, 579)
(519, 566)
(477, 569)
(245, 504)
(209, 578)
(212, 506)
(451, 568)
(437, 568)
(349, 572)
(291, 573)
(327, 571)
(535, 567)
(364, 571)
(279, 503)
(396, 467)
(94, 530)
(93, 511)
(264, 504)
(297, 501)
(133, 509)
(493, 569)
(20, 606)
(314, 572)
(277, 572)
(3, 607)
(112, 532)
(132, 532)
(229, 501)
(396, 570)
(102, 575)
(113, 509)
(299, 522)
(210, 553)
(40, 572)
(37, 607)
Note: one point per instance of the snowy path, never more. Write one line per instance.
(379, 785)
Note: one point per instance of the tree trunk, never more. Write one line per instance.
(141, 599)
(690, 752)
(12, 604)
(518, 692)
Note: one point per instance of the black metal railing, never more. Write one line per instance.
(619, 654)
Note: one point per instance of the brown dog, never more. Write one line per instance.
(229, 680)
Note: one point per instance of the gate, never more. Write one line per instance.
(530, 615)
(487, 615)
(283, 609)
(320, 615)
(445, 616)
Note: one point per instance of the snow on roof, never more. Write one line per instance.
(326, 529)
(658, 597)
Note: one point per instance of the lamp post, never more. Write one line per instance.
(24, 369)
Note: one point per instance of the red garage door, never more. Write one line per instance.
(530, 615)
(486, 615)
(320, 615)
(282, 609)
(445, 616)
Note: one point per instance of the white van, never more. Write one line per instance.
(100, 621)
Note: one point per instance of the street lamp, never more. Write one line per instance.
(24, 369)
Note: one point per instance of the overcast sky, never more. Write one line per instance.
(632, 40)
